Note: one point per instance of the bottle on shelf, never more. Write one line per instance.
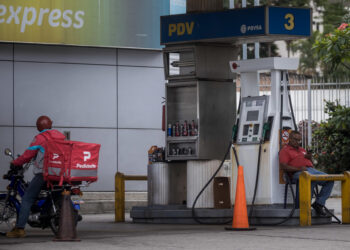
(170, 130)
(185, 129)
(194, 129)
(189, 129)
(150, 154)
(173, 130)
(177, 129)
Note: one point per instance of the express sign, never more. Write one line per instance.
(107, 23)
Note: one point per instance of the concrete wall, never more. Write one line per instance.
(102, 95)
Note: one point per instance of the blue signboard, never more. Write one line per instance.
(254, 22)
(289, 21)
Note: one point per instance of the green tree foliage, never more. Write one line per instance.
(333, 15)
(334, 48)
(308, 58)
(332, 140)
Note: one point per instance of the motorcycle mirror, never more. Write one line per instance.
(8, 152)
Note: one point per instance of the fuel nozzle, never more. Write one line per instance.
(234, 132)
(266, 128)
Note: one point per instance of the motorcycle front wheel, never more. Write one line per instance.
(8, 213)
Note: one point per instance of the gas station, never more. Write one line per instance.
(201, 66)
(210, 132)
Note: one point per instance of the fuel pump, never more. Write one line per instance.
(261, 119)
(257, 130)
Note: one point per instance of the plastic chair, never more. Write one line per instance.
(289, 181)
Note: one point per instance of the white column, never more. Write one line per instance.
(249, 84)
(244, 46)
(232, 4)
(257, 45)
(309, 118)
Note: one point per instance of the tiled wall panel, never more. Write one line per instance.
(6, 141)
(65, 54)
(73, 95)
(6, 51)
(140, 92)
(6, 93)
(133, 145)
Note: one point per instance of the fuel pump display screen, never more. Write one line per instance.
(253, 114)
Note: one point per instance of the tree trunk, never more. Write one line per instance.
(204, 5)
(288, 42)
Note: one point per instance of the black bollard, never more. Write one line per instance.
(66, 228)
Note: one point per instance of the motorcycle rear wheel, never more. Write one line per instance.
(55, 217)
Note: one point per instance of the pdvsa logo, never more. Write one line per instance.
(245, 28)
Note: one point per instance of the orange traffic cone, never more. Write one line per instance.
(66, 226)
(240, 215)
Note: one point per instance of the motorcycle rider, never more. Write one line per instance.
(34, 151)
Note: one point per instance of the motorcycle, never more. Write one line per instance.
(46, 210)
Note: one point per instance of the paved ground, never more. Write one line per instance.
(100, 232)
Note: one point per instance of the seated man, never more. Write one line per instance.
(294, 160)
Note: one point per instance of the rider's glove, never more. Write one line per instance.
(13, 167)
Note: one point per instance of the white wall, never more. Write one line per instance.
(102, 95)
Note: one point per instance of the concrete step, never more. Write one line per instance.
(179, 214)
(111, 195)
(104, 202)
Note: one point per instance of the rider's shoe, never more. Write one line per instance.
(16, 233)
(319, 209)
(80, 218)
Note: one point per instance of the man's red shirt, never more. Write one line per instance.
(294, 157)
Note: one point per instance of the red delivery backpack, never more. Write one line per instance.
(70, 161)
